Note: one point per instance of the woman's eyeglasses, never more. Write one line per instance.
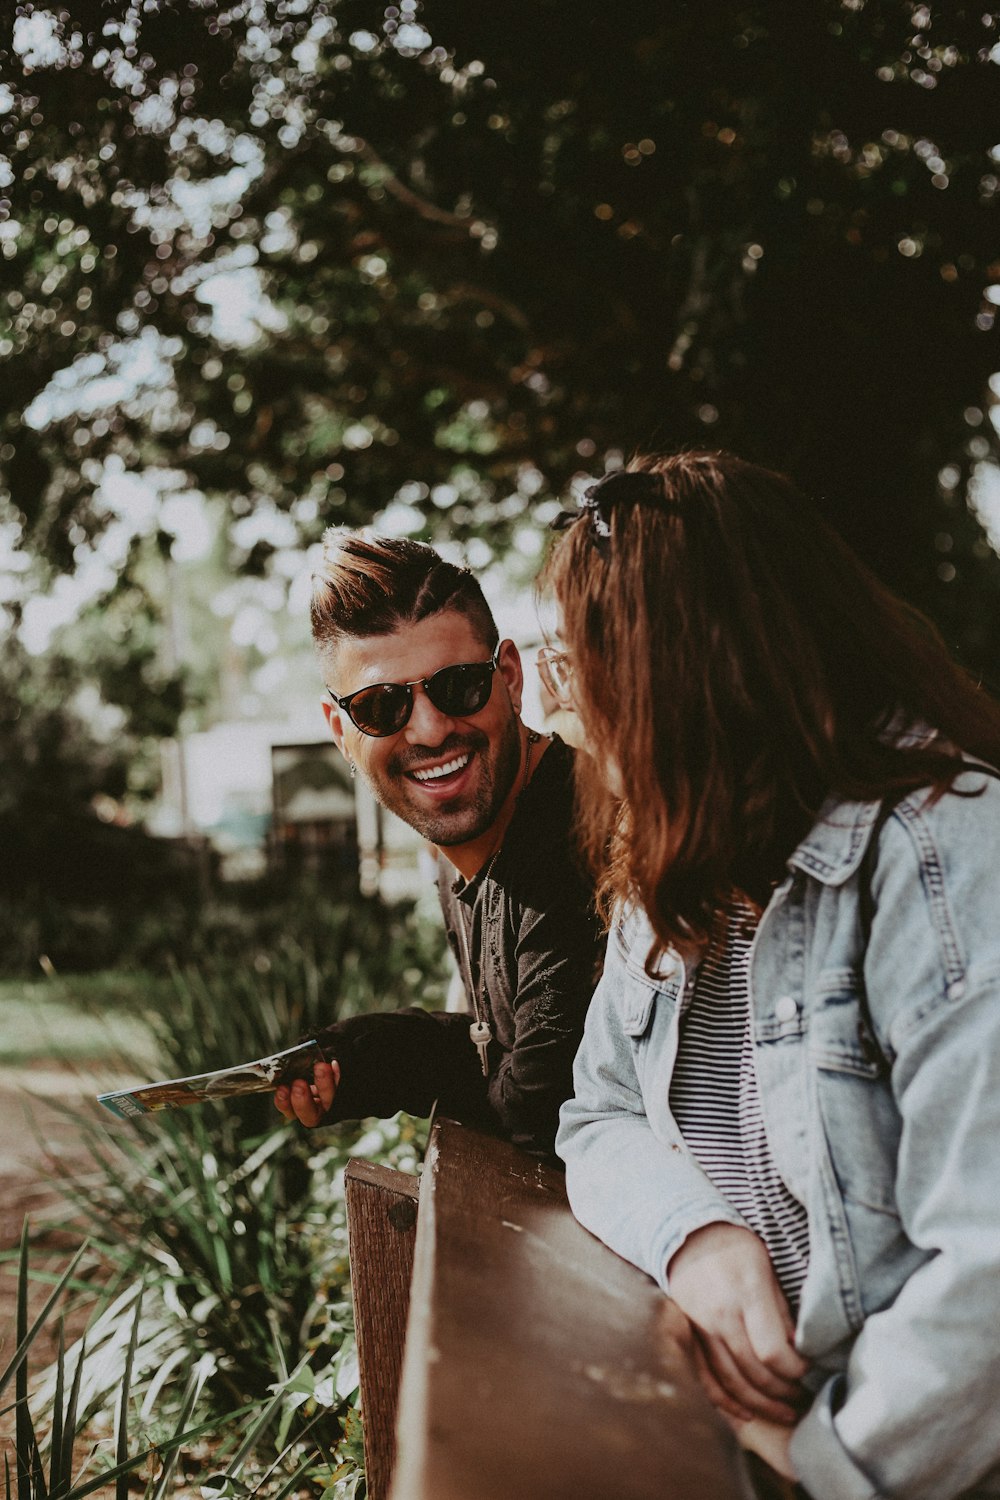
(556, 672)
(384, 708)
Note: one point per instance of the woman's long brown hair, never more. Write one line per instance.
(736, 664)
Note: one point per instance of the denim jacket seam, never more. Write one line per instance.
(932, 879)
(654, 986)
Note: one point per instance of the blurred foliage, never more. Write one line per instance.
(147, 908)
(63, 758)
(83, 721)
(52, 756)
(482, 248)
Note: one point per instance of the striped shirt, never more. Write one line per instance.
(716, 1102)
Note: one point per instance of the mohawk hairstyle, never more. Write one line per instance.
(372, 585)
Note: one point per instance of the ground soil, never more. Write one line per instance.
(34, 1134)
(31, 1128)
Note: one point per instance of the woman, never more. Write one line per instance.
(787, 1102)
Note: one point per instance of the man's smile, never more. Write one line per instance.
(449, 767)
(443, 772)
(447, 780)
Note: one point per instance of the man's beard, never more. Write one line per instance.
(473, 817)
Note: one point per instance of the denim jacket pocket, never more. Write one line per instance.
(649, 1023)
(642, 991)
(858, 1113)
(637, 1011)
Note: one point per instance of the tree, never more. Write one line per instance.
(490, 247)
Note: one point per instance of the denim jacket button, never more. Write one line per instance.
(786, 1009)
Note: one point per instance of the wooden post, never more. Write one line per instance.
(381, 1227)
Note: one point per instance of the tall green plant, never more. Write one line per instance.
(233, 1221)
(45, 1467)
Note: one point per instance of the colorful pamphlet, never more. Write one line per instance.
(261, 1076)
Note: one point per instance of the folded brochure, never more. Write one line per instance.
(258, 1077)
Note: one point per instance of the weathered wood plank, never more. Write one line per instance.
(381, 1227)
(538, 1363)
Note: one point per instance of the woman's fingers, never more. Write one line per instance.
(771, 1335)
(305, 1104)
(729, 1331)
(748, 1389)
(715, 1392)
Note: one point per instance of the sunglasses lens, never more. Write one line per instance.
(382, 709)
(460, 691)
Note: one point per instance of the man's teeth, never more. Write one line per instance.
(448, 769)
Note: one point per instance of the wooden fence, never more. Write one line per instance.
(537, 1364)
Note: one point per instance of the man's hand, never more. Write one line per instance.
(743, 1337)
(309, 1102)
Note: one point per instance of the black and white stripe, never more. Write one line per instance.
(716, 1102)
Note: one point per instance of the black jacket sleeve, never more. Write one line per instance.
(405, 1059)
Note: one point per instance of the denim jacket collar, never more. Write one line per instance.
(831, 852)
(834, 847)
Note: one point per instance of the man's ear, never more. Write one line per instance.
(509, 667)
(335, 723)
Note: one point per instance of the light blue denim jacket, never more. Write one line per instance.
(900, 1311)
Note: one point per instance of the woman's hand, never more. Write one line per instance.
(309, 1102)
(770, 1442)
(743, 1337)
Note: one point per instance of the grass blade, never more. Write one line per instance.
(295, 1443)
(56, 1436)
(24, 1335)
(121, 1484)
(296, 1479)
(38, 1490)
(69, 1423)
(101, 1481)
(191, 1393)
(26, 1448)
(24, 1436)
(256, 1428)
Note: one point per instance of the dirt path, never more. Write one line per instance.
(32, 1129)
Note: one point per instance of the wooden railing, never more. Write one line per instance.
(538, 1365)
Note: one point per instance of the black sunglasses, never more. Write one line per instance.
(385, 707)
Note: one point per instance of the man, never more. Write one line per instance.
(424, 703)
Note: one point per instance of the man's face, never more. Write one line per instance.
(482, 753)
